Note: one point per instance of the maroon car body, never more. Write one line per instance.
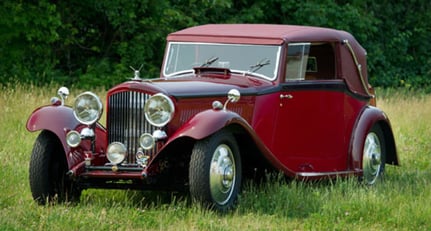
(232, 101)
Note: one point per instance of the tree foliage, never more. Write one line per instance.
(27, 34)
(95, 42)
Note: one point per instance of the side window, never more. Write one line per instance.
(297, 57)
(310, 61)
(321, 62)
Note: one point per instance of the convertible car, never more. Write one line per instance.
(232, 101)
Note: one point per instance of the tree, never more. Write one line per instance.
(28, 31)
(94, 42)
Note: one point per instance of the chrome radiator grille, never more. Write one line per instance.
(126, 121)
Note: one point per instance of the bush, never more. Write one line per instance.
(95, 42)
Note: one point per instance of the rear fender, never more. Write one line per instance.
(371, 116)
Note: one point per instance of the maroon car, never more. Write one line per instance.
(233, 101)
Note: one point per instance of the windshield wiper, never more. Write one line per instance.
(259, 65)
(209, 61)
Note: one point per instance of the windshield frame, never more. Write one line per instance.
(244, 72)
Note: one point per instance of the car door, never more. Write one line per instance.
(309, 135)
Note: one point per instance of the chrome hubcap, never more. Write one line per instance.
(371, 161)
(222, 174)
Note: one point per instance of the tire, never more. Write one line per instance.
(47, 172)
(374, 156)
(215, 171)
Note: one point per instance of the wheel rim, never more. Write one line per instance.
(222, 174)
(372, 158)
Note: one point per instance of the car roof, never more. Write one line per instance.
(257, 33)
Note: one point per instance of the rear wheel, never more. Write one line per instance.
(374, 156)
(215, 171)
(48, 167)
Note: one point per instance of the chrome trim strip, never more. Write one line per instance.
(358, 67)
(173, 75)
(320, 174)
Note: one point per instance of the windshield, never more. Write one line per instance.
(259, 60)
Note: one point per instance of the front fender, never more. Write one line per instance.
(57, 119)
(200, 126)
(369, 117)
(60, 120)
(210, 121)
(206, 123)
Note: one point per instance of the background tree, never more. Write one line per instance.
(94, 42)
(28, 31)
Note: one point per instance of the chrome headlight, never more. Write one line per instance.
(159, 110)
(116, 152)
(87, 108)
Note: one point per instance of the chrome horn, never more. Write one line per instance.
(63, 92)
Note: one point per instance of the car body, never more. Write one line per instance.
(233, 101)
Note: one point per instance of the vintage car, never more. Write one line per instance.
(233, 101)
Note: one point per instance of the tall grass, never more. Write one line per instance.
(402, 202)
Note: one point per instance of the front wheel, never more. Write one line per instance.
(215, 171)
(48, 167)
(374, 156)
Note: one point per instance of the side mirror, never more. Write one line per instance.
(232, 96)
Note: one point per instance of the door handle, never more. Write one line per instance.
(286, 96)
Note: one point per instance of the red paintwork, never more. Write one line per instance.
(60, 120)
(301, 127)
(369, 116)
(205, 123)
(49, 117)
(57, 119)
(113, 175)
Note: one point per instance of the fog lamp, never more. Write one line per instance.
(146, 141)
(116, 152)
(73, 139)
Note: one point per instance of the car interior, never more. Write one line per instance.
(321, 62)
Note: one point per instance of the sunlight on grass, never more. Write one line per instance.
(400, 203)
(411, 121)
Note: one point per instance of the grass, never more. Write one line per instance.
(401, 203)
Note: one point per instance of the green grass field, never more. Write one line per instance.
(402, 202)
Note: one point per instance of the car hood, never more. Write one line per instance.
(197, 86)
